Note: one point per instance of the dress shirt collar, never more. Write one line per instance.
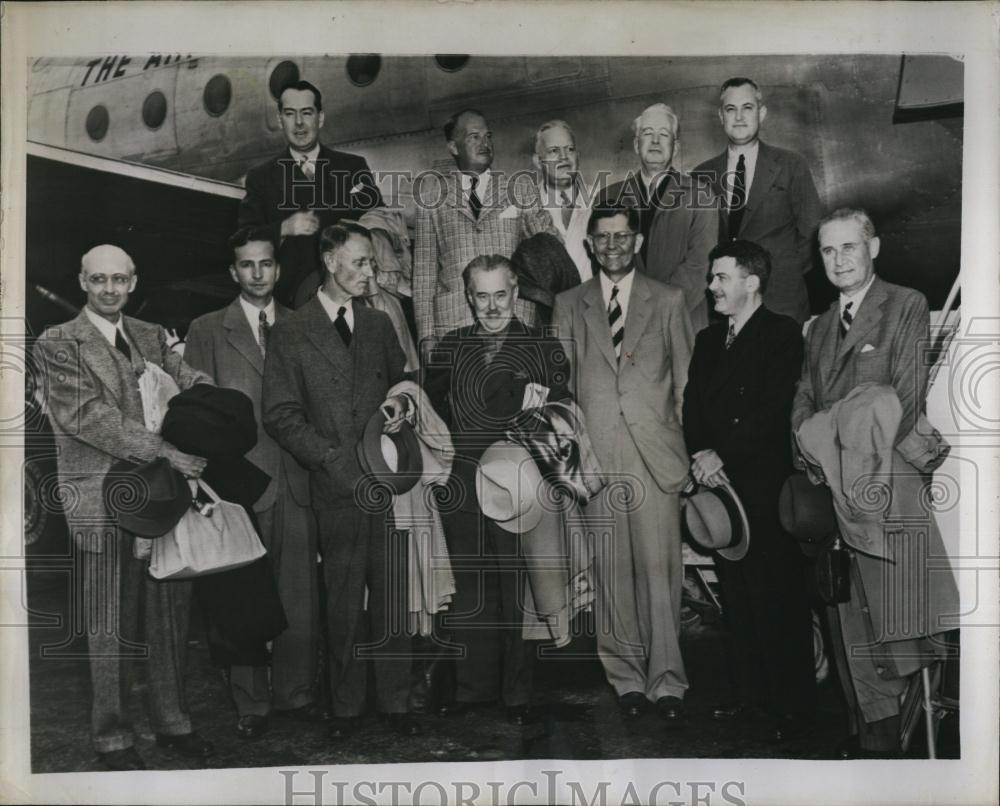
(552, 197)
(481, 187)
(857, 297)
(739, 322)
(651, 183)
(104, 326)
(311, 155)
(252, 313)
(624, 290)
(332, 307)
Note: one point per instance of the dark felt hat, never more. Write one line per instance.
(806, 509)
(148, 499)
(393, 459)
(543, 268)
(714, 519)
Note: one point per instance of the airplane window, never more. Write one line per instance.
(97, 123)
(154, 109)
(451, 62)
(218, 93)
(362, 68)
(284, 74)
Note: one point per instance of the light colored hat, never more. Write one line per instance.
(509, 486)
(714, 518)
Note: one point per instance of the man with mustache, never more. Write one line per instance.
(677, 220)
(473, 211)
(293, 196)
(767, 194)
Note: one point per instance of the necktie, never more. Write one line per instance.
(617, 322)
(307, 168)
(263, 331)
(122, 345)
(730, 335)
(475, 203)
(567, 208)
(846, 318)
(342, 327)
(739, 198)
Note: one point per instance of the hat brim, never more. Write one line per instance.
(697, 527)
(410, 462)
(155, 518)
(517, 475)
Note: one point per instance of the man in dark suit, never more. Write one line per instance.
(677, 220)
(628, 339)
(230, 345)
(89, 368)
(737, 406)
(305, 188)
(329, 367)
(874, 333)
(478, 379)
(767, 195)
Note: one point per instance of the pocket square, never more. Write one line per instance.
(510, 212)
(867, 348)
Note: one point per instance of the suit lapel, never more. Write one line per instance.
(240, 337)
(456, 196)
(639, 310)
(764, 175)
(867, 317)
(494, 203)
(99, 355)
(596, 318)
(326, 339)
(726, 362)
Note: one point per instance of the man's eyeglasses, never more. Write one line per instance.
(605, 238)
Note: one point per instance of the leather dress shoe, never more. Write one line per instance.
(670, 708)
(731, 711)
(187, 744)
(404, 724)
(519, 714)
(632, 704)
(310, 712)
(341, 727)
(251, 726)
(127, 758)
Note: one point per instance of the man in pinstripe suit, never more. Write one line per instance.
(473, 211)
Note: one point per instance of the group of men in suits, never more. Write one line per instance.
(660, 406)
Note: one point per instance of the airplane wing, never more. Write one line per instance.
(175, 227)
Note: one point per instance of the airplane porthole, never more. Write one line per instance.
(97, 123)
(451, 62)
(218, 94)
(282, 76)
(154, 109)
(362, 68)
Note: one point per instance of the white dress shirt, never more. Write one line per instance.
(332, 307)
(252, 313)
(624, 292)
(749, 153)
(481, 187)
(574, 235)
(107, 329)
(857, 298)
(309, 156)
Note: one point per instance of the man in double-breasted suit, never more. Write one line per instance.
(470, 212)
(678, 220)
(873, 334)
(737, 406)
(329, 367)
(293, 196)
(90, 368)
(230, 345)
(767, 196)
(629, 342)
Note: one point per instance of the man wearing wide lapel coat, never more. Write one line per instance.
(293, 196)
(90, 368)
(768, 197)
(329, 367)
(470, 212)
(629, 342)
(230, 345)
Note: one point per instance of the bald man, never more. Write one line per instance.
(89, 368)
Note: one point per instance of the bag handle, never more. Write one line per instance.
(209, 492)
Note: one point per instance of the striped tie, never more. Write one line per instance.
(617, 322)
(730, 335)
(846, 318)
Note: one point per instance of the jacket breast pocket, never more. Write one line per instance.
(649, 355)
(871, 367)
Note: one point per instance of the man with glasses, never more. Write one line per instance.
(629, 340)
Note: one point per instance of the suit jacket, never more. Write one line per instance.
(738, 402)
(892, 320)
(222, 344)
(479, 402)
(782, 213)
(319, 395)
(342, 188)
(96, 412)
(448, 237)
(646, 390)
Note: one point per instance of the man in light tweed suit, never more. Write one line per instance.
(473, 211)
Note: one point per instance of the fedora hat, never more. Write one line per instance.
(149, 499)
(714, 519)
(393, 459)
(508, 483)
(806, 509)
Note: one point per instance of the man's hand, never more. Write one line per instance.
(396, 410)
(190, 466)
(706, 468)
(304, 222)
